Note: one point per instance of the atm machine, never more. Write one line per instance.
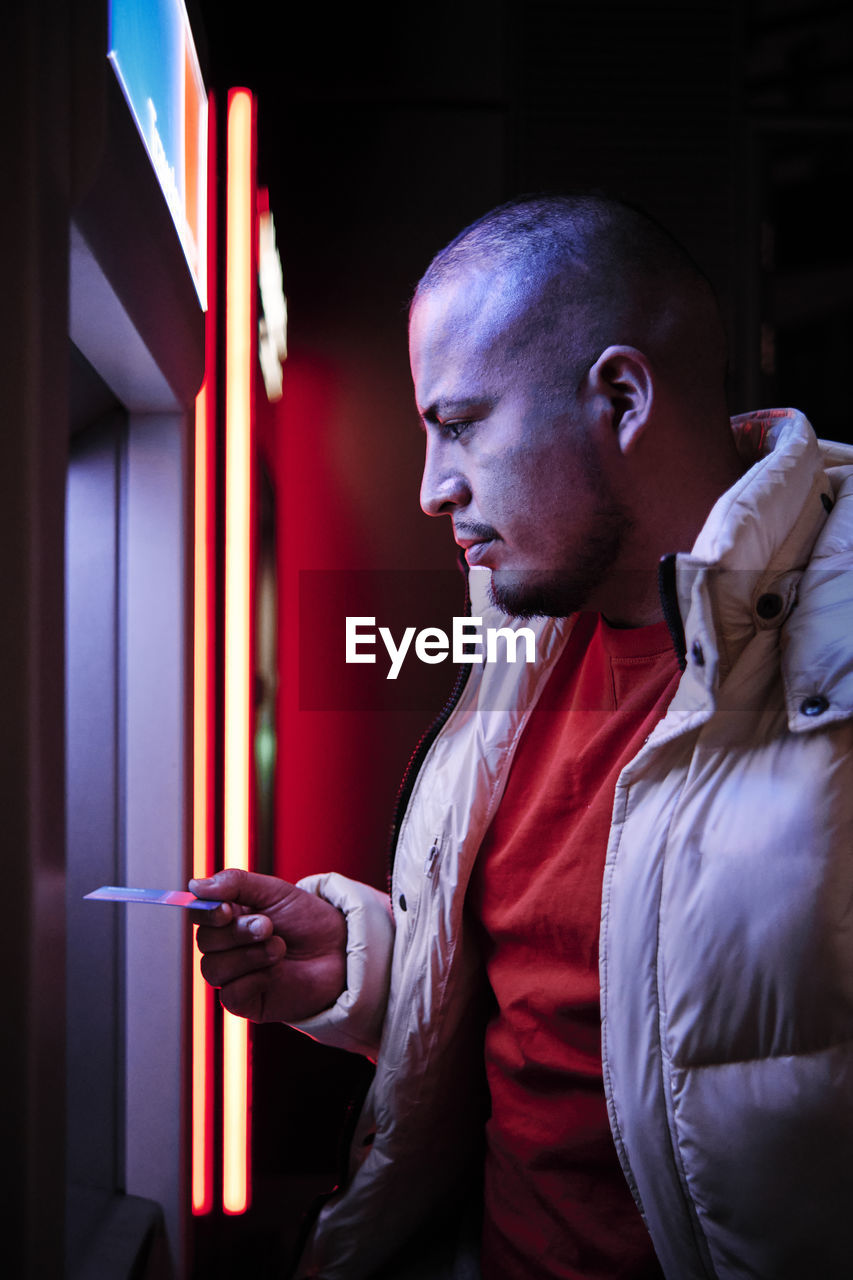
(105, 258)
(137, 300)
(130, 733)
(127, 558)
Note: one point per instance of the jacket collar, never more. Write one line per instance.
(770, 556)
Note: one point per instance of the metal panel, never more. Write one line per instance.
(93, 821)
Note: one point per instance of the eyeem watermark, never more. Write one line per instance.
(465, 643)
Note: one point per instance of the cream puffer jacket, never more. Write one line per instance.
(726, 953)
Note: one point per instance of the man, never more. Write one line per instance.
(623, 887)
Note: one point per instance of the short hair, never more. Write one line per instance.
(635, 283)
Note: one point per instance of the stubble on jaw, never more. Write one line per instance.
(543, 593)
(559, 592)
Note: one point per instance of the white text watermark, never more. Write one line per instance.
(468, 641)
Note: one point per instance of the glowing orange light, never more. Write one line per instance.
(202, 1105)
(238, 545)
(235, 1118)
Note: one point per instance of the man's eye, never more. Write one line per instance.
(453, 430)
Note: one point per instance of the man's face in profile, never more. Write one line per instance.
(509, 456)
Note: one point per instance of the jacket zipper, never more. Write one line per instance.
(422, 746)
(669, 603)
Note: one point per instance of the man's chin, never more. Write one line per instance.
(534, 594)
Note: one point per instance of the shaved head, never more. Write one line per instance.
(583, 272)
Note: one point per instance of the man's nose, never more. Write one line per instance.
(444, 488)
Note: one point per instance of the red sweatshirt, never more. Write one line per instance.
(556, 1201)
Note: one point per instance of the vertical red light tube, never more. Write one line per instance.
(202, 1102)
(240, 340)
(202, 995)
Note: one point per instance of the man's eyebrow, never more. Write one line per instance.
(442, 410)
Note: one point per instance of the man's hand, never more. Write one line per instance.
(277, 953)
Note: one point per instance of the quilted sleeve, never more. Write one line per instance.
(354, 1022)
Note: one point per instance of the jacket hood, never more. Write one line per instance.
(760, 563)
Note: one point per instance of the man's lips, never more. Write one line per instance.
(477, 553)
(477, 548)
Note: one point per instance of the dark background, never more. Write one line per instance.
(379, 137)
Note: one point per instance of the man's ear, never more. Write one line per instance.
(621, 381)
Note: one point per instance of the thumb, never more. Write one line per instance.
(249, 888)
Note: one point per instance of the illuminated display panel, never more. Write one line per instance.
(154, 57)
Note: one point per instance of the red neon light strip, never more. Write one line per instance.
(202, 995)
(238, 659)
(203, 998)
